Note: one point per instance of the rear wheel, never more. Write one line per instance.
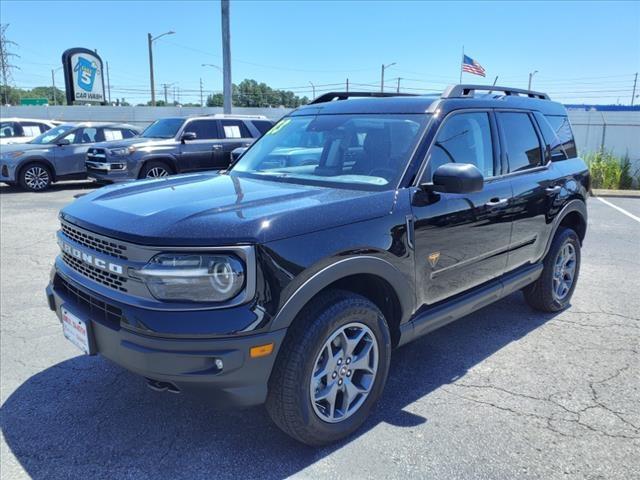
(331, 369)
(553, 290)
(155, 169)
(35, 177)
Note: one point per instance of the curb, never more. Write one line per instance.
(597, 192)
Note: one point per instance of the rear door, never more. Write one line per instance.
(535, 187)
(199, 154)
(462, 240)
(69, 159)
(234, 134)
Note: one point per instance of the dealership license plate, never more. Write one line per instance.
(76, 330)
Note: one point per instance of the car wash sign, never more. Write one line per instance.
(83, 76)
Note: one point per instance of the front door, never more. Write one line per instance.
(70, 159)
(462, 240)
(199, 154)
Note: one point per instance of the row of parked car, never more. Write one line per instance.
(36, 153)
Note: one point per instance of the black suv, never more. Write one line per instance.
(175, 145)
(290, 280)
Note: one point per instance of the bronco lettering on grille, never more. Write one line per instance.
(91, 260)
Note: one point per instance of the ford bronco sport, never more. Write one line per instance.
(291, 283)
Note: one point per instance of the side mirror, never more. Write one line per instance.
(189, 136)
(63, 141)
(457, 178)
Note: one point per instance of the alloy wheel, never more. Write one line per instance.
(344, 372)
(564, 271)
(36, 178)
(157, 172)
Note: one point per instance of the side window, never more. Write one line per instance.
(521, 141)
(204, 129)
(464, 138)
(31, 129)
(234, 129)
(84, 135)
(113, 134)
(126, 133)
(562, 129)
(44, 127)
(7, 130)
(263, 126)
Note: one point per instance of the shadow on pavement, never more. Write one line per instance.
(88, 418)
(55, 187)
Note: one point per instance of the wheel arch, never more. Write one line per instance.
(30, 161)
(167, 159)
(371, 277)
(573, 215)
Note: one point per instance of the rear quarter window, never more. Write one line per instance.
(565, 145)
(263, 126)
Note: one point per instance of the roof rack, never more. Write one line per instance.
(232, 116)
(328, 97)
(466, 91)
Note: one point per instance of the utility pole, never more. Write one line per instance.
(398, 89)
(633, 95)
(226, 57)
(53, 85)
(152, 39)
(313, 87)
(347, 85)
(382, 75)
(201, 101)
(531, 74)
(108, 84)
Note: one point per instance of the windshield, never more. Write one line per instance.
(165, 128)
(352, 151)
(50, 135)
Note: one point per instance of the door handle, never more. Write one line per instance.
(496, 202)
(217, 146)
(553, 190)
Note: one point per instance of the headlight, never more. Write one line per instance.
(119, 152)
(193, 277)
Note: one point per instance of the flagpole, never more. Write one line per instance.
(461, 63)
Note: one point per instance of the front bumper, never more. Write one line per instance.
(102, 172)
(187, 363)
(7, 172)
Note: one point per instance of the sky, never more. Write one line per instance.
(583, 52)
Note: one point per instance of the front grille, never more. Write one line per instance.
(95, 243)
(108, 279)
(97, 155)
(98, 309)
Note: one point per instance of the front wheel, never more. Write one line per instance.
(155, 169)
(35, 177)
(553, 290)
(331, 369)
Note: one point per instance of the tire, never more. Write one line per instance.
(546, 294)
(155, 169)
(35, 177)
(291, 401)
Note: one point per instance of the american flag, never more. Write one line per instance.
(471, 66)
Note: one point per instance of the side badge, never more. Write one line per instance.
(433, 258)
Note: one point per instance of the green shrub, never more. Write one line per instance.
(608, 171)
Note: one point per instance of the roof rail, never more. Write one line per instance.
(328, 97)
(465, 91)
(232, 116)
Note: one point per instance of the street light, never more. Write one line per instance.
(152, 39)
(382, 76)
(313, 87)
(531, 77)
(212, 65)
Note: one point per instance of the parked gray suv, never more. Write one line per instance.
(57, 154)
(175, 145)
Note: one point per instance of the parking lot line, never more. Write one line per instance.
(621, 210)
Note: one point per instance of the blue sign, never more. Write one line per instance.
(86, 73)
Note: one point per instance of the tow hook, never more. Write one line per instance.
(158, 386)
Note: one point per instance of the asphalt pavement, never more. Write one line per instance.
(504, 393)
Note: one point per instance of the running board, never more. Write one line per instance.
(441, 315)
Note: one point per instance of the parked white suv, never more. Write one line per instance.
(22, 130)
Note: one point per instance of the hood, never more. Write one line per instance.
(137, 141)
(210, 209)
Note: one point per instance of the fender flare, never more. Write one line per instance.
(574, 205)
(168, 159)
(341, 269)
(27, 161)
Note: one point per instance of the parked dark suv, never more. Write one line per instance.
(175, 145)
(290, 282)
